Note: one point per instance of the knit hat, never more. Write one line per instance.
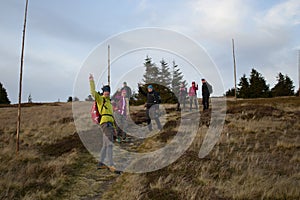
(106, 88)
(150, 87)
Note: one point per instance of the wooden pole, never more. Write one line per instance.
(234, 64)
(21, 76)
(108, 73)
(299, 72)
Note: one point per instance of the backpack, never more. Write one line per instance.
(95, 114)
(210, 89)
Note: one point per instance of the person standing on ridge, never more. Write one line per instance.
(128, 90)
(182, 95)
(205, 94)
(193, 95)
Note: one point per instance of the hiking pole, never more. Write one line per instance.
(21, 75)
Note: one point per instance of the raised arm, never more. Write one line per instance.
(94, 93)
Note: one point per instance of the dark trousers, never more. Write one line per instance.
(205, 102)
(181, 100)
(152, 113)
(122, 124)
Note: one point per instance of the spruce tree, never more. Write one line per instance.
(283, 87)
(258, 86)
(164, 74)
(230, 92)
(177, 79)
(243, 89)
(3, 95)
(151, 71)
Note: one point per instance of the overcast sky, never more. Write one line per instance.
(61, 34)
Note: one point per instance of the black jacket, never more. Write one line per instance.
(152, 97)
(205, 91)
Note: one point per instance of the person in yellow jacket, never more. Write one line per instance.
(106, 124)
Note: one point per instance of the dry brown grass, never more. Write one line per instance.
(256, 157)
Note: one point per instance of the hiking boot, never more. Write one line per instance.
(112, 168)
(101, 166)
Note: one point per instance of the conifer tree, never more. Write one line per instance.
(3, 95)
(151, 71)
(164, 74)
(243, 89)
(177, 79)
(283, 87)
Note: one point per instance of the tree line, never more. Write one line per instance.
(167, 79)
(256, 86)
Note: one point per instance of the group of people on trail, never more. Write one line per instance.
(115, 113)
(192, 95)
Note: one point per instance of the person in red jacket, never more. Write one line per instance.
(193, 95)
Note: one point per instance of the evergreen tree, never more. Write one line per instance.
(230, 92)
(283, 87)
(151, 72)
(297, 93)
(258, 86)
(3, 95)
(70, 99)
(243, 89)
(177, 79)
(164, 74)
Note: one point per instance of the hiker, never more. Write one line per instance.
(106, 123)
(116, 95)
(205, 94)
(152, 106)
(193, 95)
(181, 96)
(121, 115)
(128, 90)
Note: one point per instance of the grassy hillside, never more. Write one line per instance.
(257, 156)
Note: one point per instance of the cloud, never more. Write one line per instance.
(283, 14)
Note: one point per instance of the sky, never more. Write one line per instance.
(62, 34)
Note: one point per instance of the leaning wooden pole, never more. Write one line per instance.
(21, 76)
(108, 60)
(234, 65)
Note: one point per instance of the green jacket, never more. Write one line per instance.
(99, 99)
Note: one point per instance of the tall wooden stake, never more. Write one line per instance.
(21, 76)
(234, 64)
(299, 71)
(108, 73)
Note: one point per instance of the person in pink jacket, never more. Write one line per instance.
(121, 115)
(193, 95)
